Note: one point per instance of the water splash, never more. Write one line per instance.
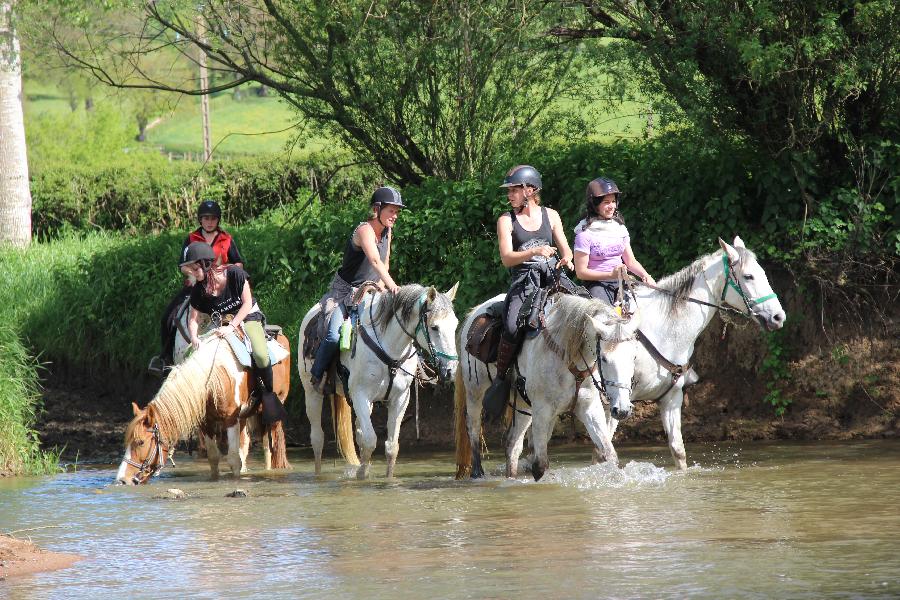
(633, 474)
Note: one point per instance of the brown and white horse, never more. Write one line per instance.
(209, 392)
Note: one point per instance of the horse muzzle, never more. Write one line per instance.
(620, 414)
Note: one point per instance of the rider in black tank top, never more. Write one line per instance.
(531, 259)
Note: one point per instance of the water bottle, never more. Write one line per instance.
(346, 330)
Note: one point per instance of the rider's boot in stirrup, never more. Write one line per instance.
(496, 396)
(324, 355)
(273, 410)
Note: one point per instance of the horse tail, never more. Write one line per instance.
(278, 445)
(463, 444)
(342, 419)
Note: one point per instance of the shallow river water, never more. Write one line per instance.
(746, 521)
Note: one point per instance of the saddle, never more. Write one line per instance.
(484, 334)
(315, 329)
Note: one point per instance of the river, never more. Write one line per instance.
(751, 520)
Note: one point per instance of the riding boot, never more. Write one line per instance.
(497, 396)
(324, 355)
(273, 410)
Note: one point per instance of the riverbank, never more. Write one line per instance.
(20, 557)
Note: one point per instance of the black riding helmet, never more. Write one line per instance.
(523, 175)
(209, 208)
(197, 252)
(387, 195)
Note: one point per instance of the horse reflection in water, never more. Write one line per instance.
(562, 371)
(209, 391)
(393, 330)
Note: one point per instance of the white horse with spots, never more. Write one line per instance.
(391, 331)
(562, 371)
(674, 316)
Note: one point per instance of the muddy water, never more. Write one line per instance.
(746, 521)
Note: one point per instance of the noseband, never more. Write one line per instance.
(157, 448)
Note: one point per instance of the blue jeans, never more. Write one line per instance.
(328, 348)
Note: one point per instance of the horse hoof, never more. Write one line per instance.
(537, 471)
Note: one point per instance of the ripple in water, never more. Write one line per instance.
(605, 475)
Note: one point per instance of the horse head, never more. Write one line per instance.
(617, 349)
(436, 333)
(145, 450)
(747, 288)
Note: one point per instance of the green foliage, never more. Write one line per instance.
(775, 368)
(20, 451)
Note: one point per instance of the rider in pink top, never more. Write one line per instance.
(602, 248)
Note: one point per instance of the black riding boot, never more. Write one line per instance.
(324, 355)
(273, 410)
(496, 396)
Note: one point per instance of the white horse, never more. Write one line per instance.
(392, 329)
(674, 316)
(560, 367)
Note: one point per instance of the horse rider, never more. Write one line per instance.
(209, 215)
(367, 257)
(529, 237)
(603, 254)
(226, 291)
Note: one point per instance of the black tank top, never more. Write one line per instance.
(355, 269)
(522, 238)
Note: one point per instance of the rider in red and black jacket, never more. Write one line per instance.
(209, 214)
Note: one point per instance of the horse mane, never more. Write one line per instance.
(677, 286)
(570, 320)
(180, 404)
(404, 302)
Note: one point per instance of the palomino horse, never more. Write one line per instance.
(390, 331)
(210, 390)
(560, 367)
(675, 313)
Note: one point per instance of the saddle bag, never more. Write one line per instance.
(484, 338)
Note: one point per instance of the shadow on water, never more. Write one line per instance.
(747, 520)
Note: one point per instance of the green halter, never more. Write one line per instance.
(731, 281)
(423, 316)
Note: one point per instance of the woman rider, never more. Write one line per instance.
(603, 252)
(366, 258)
(209, 215)
(224, 290)
(526, 236)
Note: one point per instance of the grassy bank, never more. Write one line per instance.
(20, 451)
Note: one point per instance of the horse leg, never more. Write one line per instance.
(515, 442)
(589, 409)
(212, 455)
(541, 430)
(670, 411)
(396, 410)
(265, 439)
(244, 448)
(234, 450)
(314, 414)
(365, 435)
(473, 425)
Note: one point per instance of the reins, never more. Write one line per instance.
(146, 466)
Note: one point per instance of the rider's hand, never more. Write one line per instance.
(545, 251)
(225, 330)
(195, 342)
(648, 279)
(564, 263)
(620, 271)
(392, 288)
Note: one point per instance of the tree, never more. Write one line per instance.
(811, 82)
(15, 195)
(422, 88)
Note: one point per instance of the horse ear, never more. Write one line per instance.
(603, 327)
(733, 255)
(151, 417)
(432, 293)
(451, 293)
(738, 242)
(134, 407)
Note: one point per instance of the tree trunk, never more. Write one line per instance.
(15, 195)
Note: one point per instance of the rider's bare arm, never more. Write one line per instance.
(634, 266)
(586, 274)
(246, 305)
(559, 238)
(510, 257)
(193, 325)
(365, 239)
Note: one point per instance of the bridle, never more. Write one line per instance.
(157, 448)
(731, 281)
(429, 352)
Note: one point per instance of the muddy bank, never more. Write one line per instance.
(838, 388)
(20, 557)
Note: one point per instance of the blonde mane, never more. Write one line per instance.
(569, 322)
(180, 405)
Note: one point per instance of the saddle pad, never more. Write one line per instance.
(276, 352)
(484, 337)
(311, 338)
